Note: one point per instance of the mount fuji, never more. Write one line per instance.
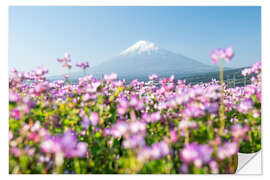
(145, 58)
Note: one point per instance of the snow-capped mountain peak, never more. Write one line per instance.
(141, 47)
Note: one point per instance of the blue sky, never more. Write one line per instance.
(40, 35)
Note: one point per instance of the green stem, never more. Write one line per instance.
(77, 165)
(221, 109)
(69, 76)
(186, 136)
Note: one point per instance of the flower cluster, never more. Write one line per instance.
(111, 126)
(66, 145)
(66, 61)
(222, 54)
(83, 65)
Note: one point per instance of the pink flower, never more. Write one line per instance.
(155, 116)
(189, 153)
(133, 101)
(153, 77)
(227, 150)
(82, 65)
(137, 127)
(214, 57)
(238, 131)
(173, 136)
(16, 151)
(119, 129)
(222, 54)
(86, 97)
(80, 150)
(94, 119)
(15, 113)
(68, 65)
(110, 77)
(228, 54)
(66, 76)
(50, 146)
(214, 167)
(122, 106)
(159, 150)
(121, 110)
(10, 135)
(66, 58)
(14, 97)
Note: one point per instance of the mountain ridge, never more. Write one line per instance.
(144, 58)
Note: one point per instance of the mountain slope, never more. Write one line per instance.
(144, 58)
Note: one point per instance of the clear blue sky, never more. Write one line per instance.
(39, 35)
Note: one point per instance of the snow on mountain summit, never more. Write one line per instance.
(145, 58)
(141, 47)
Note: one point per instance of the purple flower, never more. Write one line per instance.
(85, 122)
(189, 153)
(164, 148)
(144, 153)
(228, 54)
(220, 54)
(119, 129)
(50, 146)
(134, 141)
(140, 105)
(66, 145)
(122, 106)
(40, 71)
(41, 87)
(238, 131)
(68, 65)
(66, 59)
(245, 106)
(82, 65)
(198, 154)
(227, 150)
(110, 77)
(14, 97)
(212, 107)
(67, 56)
(16, 151)
(155, 151)
(205, 153)
(214, 167)
(185, 124)
(159, 150)
(86, 97)
(28, 104)
(184, 168)
(137, 126)
(94, 119)
(173, 136)
(215, 56)
(153, 77)
(36, 126)
(193, 110)
(121, 110)
(80, 150)
(66, 76)
(133, 101)
(155, 116)
(68, 141)
(146, 118)
(15, 113)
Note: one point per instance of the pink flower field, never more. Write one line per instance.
(109, 126)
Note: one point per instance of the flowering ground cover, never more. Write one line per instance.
(110, 126)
